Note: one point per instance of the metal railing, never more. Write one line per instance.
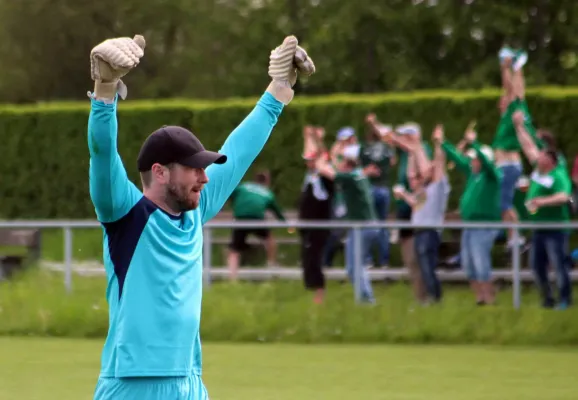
(357, 227)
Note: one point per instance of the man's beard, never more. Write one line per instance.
(179, 198)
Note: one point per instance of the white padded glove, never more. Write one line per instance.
(285, 62)
(110, 61)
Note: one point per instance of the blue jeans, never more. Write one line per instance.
(332, 244)
(368, 238)
(511, 173)
(427, 243)
(381, 198)
(476, 253)
(548, 250)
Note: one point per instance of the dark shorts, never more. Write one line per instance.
(404, 214)
(239, 237)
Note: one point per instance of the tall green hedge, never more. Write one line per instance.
(44, 163)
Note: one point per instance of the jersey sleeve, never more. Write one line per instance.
(459, 159)
(241, 148)
(276, 209)
(111, 192)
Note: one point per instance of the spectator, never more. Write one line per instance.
(547, 201)
(403, 212)
(506, 145)
(250, 201)
(480, 202)
(359, 203)
(428, 198)
(345, 137)
(376, 152)
(315, 204)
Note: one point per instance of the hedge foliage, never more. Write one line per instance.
(44, 166)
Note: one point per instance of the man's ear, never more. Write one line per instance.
(160, 173)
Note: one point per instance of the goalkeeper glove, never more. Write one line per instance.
(110, 61)
(285, 62)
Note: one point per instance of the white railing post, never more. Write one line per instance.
(516, 269)
(207, 255)
(358, 264)
(68, 259)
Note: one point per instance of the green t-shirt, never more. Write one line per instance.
(482, 194)
(357, 196)
(251, 201)
(339, 206)
(379, 154)
(403, 157)
(506, 137)
(553, 182)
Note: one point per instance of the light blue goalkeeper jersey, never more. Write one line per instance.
(153, 260)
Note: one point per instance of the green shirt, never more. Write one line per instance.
(379, 154)
(542, 185)
(482, 194)
(339, 207)
(403, 157)
(506, 137)
(251, 201)
(357, 196)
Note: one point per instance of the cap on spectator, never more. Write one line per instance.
(345, 133)
(486, 150)
(410, 128)
(351, 152)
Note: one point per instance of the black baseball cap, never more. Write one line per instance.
(174, 144)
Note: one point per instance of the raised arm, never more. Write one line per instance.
(324, 168)
(310, 145)
(422, 162)
(247, 140)
(439, 160)
(456, 157)
(529, 146)
(112, 194)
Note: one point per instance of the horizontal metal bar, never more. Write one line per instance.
(39, 224)
(335, 273)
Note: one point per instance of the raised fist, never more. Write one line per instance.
(113, 59)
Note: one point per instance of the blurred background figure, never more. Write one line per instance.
(359, 203)
(378, 154)
(250, 202)
(480, 201)
(344, 138)
(315, 204)
(428, 199)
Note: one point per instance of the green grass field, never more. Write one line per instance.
(66, 369)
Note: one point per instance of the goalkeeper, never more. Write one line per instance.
(153, 240)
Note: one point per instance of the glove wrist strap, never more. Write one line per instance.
(108, 90)
(281, 90)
